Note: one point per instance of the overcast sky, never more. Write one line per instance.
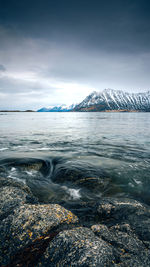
(58, 51)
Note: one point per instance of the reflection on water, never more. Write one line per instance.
(73, 157)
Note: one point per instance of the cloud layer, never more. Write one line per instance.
(55, 53)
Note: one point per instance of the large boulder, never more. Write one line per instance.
(77, 247)
(29, 224)
(24, 222)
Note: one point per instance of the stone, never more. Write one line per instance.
(10, 198)
(30, 223)
(77, 247)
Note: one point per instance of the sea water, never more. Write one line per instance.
(72, 157)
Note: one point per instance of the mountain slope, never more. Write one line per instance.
(62, 108)
(110, 99)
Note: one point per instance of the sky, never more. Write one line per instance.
(56, 52)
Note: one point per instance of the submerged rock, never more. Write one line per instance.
(94, 183)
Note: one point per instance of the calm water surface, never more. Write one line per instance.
(74, 157)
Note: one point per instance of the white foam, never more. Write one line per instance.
(4, 148)
(13, 169)
(31, 173)
(137, 181)
(74, 193)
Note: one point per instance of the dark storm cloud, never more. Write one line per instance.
(109, 25)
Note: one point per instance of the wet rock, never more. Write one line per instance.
(112, 232)
(31, 166)
(120, 209)
(26, 164)
(13, 183)
(94, 183)
(125, 224)
(30, 223)
(78, 247)
(99, 186)
(62, 175)
(37, 165)
(73, 172)
(128, 260)
(10, 198)
(33, 221)
(127, 211)
(127, 242)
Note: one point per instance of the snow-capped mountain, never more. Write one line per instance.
(110, 99)
(62, 108)
(107, 100)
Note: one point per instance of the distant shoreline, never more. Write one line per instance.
(81, 111)
(17, 111)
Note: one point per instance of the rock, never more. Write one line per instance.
(10, 198)
(73, 172)
(13, 183)
(127, 211)
(99, 186)
(125, 224)
(95, 184)
(26, 164)
(127, 242)
(112, 232)
(63, 175)
(29, 224)
(128, 260)
(77, 247)
(120, 209)
(34, 221)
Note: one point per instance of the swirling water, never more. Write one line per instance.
(74, 157)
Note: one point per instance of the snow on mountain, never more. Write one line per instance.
(107, 100)
(61, 108)
(110, 99)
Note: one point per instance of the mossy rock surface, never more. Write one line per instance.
(30, 223)
(77, 247)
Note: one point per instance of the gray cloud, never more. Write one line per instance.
(2, 68)
(59, 51)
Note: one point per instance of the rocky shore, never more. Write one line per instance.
(114, 232)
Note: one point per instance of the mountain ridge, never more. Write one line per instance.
(106, 101)
(59, 108)
(115, 100)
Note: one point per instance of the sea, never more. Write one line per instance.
(75, 157)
